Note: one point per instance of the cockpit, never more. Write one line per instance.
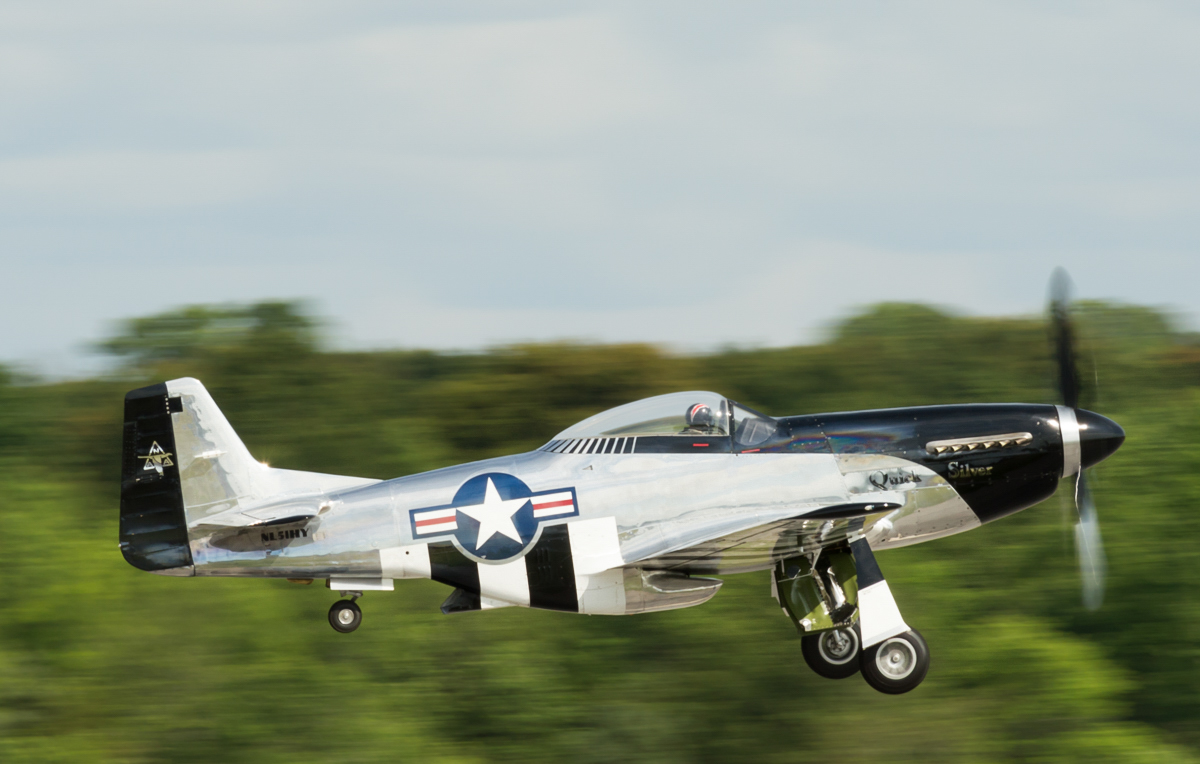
(674, 423)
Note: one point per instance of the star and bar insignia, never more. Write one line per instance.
(493, 516)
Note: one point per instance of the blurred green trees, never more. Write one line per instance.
(102, 663)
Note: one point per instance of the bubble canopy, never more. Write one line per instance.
(660, 415)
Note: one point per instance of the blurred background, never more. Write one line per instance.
(101, 662)
(390, 239)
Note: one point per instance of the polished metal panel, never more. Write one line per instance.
(931, 509)
(651, 591)
(1068, 426)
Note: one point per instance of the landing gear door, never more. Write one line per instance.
(818, 591)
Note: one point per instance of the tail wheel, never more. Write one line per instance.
(832, 654)
(897, 664)
(345, 616)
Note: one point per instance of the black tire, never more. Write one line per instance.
(832, 654)
(345, 616)
(897, 664)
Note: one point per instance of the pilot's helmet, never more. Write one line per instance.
(700, 415)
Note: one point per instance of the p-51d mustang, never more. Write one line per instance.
(628, 511)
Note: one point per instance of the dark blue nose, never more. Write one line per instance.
(1099, 437)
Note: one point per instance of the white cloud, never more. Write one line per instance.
(135, 181)
(1141, 199)
(29, 75)
(526, 82)
(458, 176)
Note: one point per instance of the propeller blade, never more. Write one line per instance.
(1088, 545)
(1064, 338)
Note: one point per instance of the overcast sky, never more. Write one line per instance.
(457, 175)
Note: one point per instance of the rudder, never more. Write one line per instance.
(153, 528)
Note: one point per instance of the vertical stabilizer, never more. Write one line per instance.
(217, 471)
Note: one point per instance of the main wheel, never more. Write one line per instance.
(832, 654)
(345, 616)
(897, 664)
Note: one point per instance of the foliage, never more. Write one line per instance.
(100, 662)
(198, 330)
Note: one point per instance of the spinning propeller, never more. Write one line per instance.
(1095, 433)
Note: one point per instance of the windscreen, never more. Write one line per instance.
(750, 427)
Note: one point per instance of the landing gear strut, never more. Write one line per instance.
(345, 616)
(832, 654)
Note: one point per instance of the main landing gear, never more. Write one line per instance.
(894, 666)
(832, 654)
(848, 619)
(897, 664)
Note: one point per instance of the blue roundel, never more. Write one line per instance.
(493, 516)
(470, 499)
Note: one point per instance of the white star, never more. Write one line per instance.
(494, 515)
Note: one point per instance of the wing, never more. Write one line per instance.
(759, 543)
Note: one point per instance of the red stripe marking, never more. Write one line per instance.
(548, 505)
(699, 445)
(751, 450)
(437, 521)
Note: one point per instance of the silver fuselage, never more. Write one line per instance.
(661, 503)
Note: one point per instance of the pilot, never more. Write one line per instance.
(701, 421)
